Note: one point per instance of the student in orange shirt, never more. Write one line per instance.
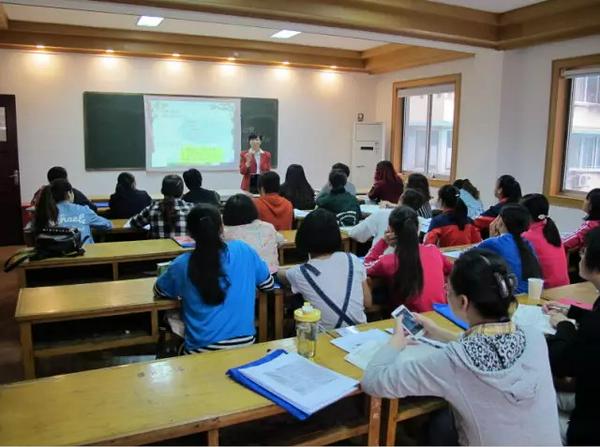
(271, 207)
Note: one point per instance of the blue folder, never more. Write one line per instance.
(236, 374)
(445, 311)
(101, 204)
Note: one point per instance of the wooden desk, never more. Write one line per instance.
(584, 291)
(109, 253)
(461, 248)
(289, 243)
(148, 402)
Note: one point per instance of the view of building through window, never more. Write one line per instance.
(427, 140)
(582, 160)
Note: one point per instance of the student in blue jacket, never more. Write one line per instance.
(55, 208)
(508, 243)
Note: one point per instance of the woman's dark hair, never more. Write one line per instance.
(239, 210)
(412, 198)
(46, 211)
(319, 233)
(337, 180)
(341, 167)
(408, 278)
(593, 197)
(192, 178)
(296, 188)
(467, 186)
(485, 279)
(269, 181)
(172, 188)
(511, 189)
(538, 207)
(385, 172)
(55, 173)
(253, 136)
(592, 250)
(450, 198)
(420, 183)
(516, 221)
(125, 182)
(205, 270)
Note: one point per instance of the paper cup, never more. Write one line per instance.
(535, 288)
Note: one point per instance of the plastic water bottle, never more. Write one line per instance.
(307, 329)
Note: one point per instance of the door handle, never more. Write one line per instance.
(15, 177)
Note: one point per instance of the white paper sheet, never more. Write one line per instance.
(300, 214)
(527, 315)
(362, 356)
(369, 209)
(350, 342)
(455, 254)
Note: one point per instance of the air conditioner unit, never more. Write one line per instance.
(583, 180)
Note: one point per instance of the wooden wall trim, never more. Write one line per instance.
(3, 18)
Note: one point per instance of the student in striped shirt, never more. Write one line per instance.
(217, 285)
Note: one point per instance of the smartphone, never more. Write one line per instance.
(409, 321)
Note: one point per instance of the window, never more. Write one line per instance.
(424, 126)
(573, 154)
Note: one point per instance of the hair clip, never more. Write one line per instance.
(542, 217)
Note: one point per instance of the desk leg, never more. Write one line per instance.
(115, 271)
(27, 351)
(213, 437)
(154, 324)
(263, 299)
(278, 317)
(281, 252)
(373, 434)
(22, 277)
(390, 422)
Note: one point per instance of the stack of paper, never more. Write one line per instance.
(351, 342)
(527, 315)
(295, 383)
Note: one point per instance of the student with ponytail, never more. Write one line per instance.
(55, 208)
(452, 227)
(591, 207)
(509, 243)
(414, 272)
(545, 239)
(217, 285)
(167, 217)
(494, 376)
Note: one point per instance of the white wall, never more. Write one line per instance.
(316, 110)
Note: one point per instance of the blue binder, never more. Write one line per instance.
(235, 374)
(445, 311)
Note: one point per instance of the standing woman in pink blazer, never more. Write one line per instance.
(253, 162)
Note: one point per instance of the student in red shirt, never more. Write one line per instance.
(415, 273)
(452, 227)
(388, 184)
(591, 206)
(271, 207)
(507, 190)
(545, 238)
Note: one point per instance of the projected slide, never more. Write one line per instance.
(184, 132)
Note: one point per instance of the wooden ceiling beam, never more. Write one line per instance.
(405, 56)
(3, 18)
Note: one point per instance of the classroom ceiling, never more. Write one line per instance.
(496, 6)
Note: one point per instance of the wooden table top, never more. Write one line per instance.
(115, 251)
(584, 291)
(46, 303)
(289, 237)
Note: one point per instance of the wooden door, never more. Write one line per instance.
(11, 224)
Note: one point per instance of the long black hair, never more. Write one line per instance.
(420, 183)
(125, 182)
(412, 198)
(516, 221)
(593, 197)
(511, 188)
(538, 207)
(172, 188)
(450, 198)
(205, 270)
(467, 186)
(46, 211)
(408, 278)
(485, 279)
(296, 187)
(319, 233)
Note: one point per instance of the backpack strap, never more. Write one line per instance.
(17, 259)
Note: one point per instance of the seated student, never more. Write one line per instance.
(271, 207)
(452, 227)
(507, 241)
(240, 218)
(545, 239)
(297, 189)
(348, 187)
(591, 206)
(420, 183)
(217, 285)
(340, 202)
(127, 201)
(575, 352)
(470, 195)
(388, 184)
(507, 190)
(197, 194)
(414, 272)
(166, 217)
(58, 172)
(495, 376)
(55, 208)
(332, 281)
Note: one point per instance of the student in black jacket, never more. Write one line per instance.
(58, 172)
(575, 352)
(197, 194)
(127, 201)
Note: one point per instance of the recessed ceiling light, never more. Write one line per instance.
(176, 54)
(40, 47)
(231, 59)
(149, 21)
(110, 50)
(333, 67)
(285, 34)
(286, 63)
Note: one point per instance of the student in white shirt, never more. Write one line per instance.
(332, 281)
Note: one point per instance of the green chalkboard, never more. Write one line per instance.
(115, 135)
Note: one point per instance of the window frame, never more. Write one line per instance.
(398, 119)
(558, 131)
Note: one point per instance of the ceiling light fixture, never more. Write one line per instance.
(40, 47)
(176, 54)
(333, 67)
(110, 50)
(285, 34)
(149, 21)
(231, 59)
(286, 63)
